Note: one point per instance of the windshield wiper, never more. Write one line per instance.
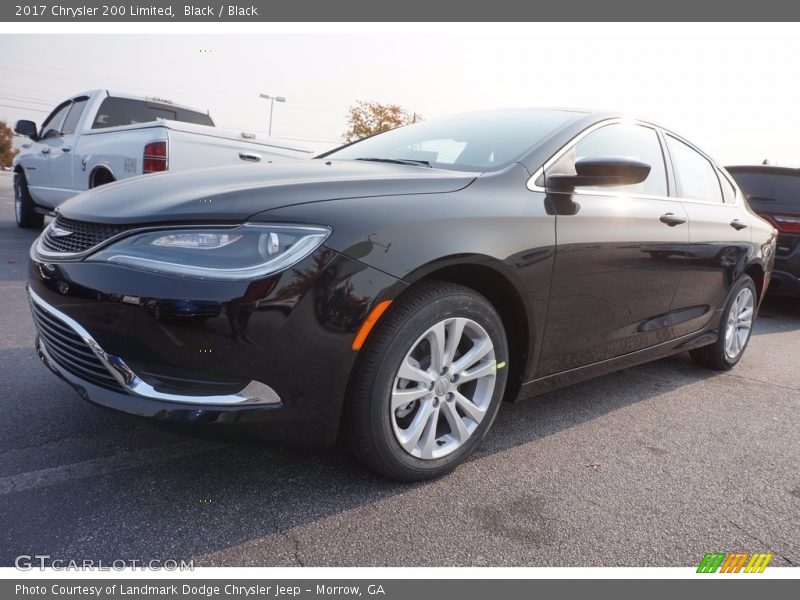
(398, 161)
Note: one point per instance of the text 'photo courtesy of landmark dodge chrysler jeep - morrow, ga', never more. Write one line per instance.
(98, 137)
(395, 290)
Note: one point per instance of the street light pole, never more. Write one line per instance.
(272, 100)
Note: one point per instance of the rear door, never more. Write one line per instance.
(719, 233)
(619, 255)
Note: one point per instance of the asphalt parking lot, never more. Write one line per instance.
(652, 466)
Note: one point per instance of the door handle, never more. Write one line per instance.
(66, 148)
(45, 150)
(672, 219)
(738, 225)
(250, 156)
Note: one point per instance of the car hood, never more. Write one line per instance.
(231, 194)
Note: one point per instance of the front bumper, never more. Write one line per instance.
(275, 357)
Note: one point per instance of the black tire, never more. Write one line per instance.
(714, 355)
(101, 177)
(24, 208)
(367, 417)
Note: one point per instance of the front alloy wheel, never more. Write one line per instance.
(443, 389)
(428, 383)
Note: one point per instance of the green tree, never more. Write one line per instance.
(6, 137)
(366, 118)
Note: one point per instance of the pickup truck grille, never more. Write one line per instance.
(83, 235)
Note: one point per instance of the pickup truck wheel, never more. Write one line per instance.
(24, 209)
(102, 177)
(428, 384)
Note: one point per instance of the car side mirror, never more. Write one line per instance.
(26, 128)
(601, 171)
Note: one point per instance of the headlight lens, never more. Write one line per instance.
(245, 252)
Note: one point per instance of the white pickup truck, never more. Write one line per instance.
(99, 137)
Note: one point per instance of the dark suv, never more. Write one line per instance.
(774, 193)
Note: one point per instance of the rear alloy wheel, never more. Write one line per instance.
(428, 384)
(739, 323)
(736, 327)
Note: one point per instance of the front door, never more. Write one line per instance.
(37, 163)
(620, 253)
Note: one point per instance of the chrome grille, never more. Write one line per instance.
(70, 352)
(83, 235)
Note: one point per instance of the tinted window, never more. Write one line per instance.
(114, 112)
(472, 142)
(697, 179)
(629, 141)
(52, 126)
(71, 122)
(775, 190)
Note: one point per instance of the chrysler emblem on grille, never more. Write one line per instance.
(58, 232)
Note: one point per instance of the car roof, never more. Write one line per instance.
(129, 96)
(763, 169)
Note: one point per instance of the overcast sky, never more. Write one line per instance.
(734, 90)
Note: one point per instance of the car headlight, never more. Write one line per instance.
(245, 252)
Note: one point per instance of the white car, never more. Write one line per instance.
(99, 137)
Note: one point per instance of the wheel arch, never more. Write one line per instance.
(497, 283)
(101, 170)
(755, 269)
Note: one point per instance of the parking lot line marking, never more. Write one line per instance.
(42, 478)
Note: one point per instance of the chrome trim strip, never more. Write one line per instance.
(531, 185)
(253, 393)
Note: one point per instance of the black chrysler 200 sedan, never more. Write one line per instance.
(395, 290)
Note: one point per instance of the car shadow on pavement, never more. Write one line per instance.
(80, 495)
(228, 495)
(778, 314)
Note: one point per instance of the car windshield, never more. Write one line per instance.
(470, 142)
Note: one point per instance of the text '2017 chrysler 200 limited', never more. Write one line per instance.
(398, 288)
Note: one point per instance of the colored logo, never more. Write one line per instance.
(734, 562)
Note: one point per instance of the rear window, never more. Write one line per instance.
(769, 187)
(114, 112)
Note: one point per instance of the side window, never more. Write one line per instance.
(728, 191)
(71, 122)
(697, 178)
(630, 141)
(52, 126)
